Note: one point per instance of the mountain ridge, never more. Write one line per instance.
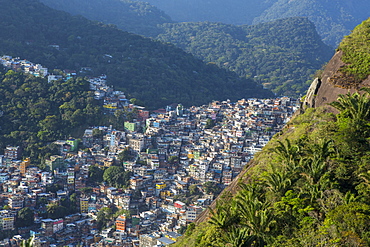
(281, 55)
(155, 73)
(333, 19)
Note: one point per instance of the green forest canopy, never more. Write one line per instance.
(131, 16)
(281, 55)
(333, 18)
(157, 74)
(36, 112)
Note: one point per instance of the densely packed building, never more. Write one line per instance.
(179, 160)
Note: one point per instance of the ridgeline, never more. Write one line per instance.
(155, 73)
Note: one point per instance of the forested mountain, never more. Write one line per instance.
(155, 73)
(310, 185)
(232, 12)
(132, 16)
(333, 18)
(281, 55)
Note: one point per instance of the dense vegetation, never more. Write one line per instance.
(281, 55)
(152, 72)
(35, 112)
(309, 187)
(132, 16)
(333, 18)
(232, 11)
(355, 49)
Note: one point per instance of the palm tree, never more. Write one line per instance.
(238, 237)
(322, 150)
(355, 106)
(277, 182)
(256, 216)
(313, 168)
(288, 153)
(28, 243)
(224, 216)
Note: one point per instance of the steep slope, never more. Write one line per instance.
(333, 18)
(348, 70)
(132, 16)
(310, 185)
(233, 11)
(155, 73)
(281, 55)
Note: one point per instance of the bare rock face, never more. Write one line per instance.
(332, 84)
(309, 101)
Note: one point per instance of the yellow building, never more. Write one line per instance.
(166, 193)
(160, 186)
(84, 205)
(24, 164)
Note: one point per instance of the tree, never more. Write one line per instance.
(95, 174)
(352, 218)
(103, 217)
(117, 176)
(194, 190)
(277, 182)
(239, 237)
(211, 188)
(86, 191)
(354, 106)
(55, 211)
(126, 155)
(173, 159)
(224, 216)
(288, 153)
(28, 243)
(210, 123)
(25, 217)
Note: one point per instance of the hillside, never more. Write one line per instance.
(232, 12)
(333, 18)
(35, 112)
(155, 73)
(281, 55)
(310, 185)
(131, 16)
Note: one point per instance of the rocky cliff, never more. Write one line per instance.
(332, 82)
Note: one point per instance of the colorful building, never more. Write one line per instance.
(121, 223)
(84, 205)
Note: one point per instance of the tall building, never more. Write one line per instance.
(121, 223)
(84, 205)
(24, 164)
(13, 153)
(7, 219)
(16, 202)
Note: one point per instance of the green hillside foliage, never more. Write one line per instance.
(333, 18)
(356, 51)
(35, 112)
(152, 72)
(233, 11)
(281, 55)
(309, 187)
(132, 16)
